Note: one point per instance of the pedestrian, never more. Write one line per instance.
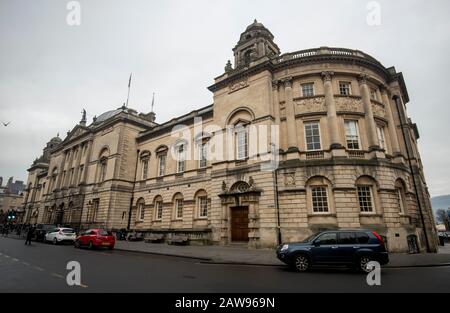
(29, 236)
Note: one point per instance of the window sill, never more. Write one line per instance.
(322, 215)
(201, 218)
(369, 214)
(177, 220)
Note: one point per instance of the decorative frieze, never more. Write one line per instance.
(349, 104)
(238, 85)
(311, 105)
(378, 109)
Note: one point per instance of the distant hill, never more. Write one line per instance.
(440, 202)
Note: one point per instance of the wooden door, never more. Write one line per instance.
(239, 224)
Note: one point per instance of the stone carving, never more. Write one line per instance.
(344, 104)
(378, 110)
(289, 179)
(250, 182)
(312, 105)
(224, 186)
(238, 85)
(326, 76)
(228, 67)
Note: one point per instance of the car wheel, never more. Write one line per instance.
(77, 244)
(363, 262)
(90, 245)
(301, 263)
(55, 241)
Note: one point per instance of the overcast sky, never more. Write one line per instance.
(50, 71)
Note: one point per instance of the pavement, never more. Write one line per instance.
(43, 268)
(265, 257)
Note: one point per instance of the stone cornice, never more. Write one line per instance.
(274, 65)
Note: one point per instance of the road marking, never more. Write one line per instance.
(15, 260)
(57, 275)
(39, 268)
(25, 263)
(83, 286)
(7, 256)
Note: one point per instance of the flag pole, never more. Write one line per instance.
(129, 86)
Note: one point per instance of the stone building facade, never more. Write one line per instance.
(334, 148)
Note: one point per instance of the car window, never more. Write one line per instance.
(347, 238)
(362, 238)
(310, 238)
(104, 233)
(327, 239)
(68, 231)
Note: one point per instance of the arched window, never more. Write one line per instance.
(145, 159)
(201, 204)
(161, 154)
(178, 203)
(158, 204)
(53, 178)
(366, 192)
(103, 168)
(400, 190)
(202, 142)
(179, 151)
(320, 200)
(140, 214)
(241, 142)
(103, 165)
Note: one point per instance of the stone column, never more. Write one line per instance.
(392, 125)
(370, 121)
(86, 162)
(290, 115)
(61, 172)
(276, 102)
(333, 128)
(77, 165)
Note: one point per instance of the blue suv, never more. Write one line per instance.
(355, 248)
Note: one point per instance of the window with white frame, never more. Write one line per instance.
(158, 210)
(179, 208)
(241, 143)
(312, 136)
(307, 89)
(144, 168)
(319, 199)
(345, 88)
(352, 135)
(181, 158)
(381, 137)
(162, 164)
(365, 199)
(141, 210)
(203, 206)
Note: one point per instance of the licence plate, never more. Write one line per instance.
(105, 244)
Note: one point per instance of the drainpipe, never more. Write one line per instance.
(277, 207)
(407, 146)
(132, 194)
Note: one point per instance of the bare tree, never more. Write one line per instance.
(442, 217)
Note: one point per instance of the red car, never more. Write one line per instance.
(96, 238)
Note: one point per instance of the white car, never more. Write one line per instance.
(59, 235)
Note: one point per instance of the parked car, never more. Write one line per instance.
(41, 230)
(354, 248)
(59, 235)
(96, 238)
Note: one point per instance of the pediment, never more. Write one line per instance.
(77, 131)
